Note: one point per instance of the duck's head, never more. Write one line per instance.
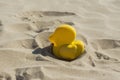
(64, 34)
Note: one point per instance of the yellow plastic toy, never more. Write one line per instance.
(64, 44)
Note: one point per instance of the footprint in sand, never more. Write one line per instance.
(5, 76)
(36, 25)
(105, 44)
(104, 56)
(26, 15)
(22, 44)
(19, 27)
(40, 26)
(56, 13)
(29, 73)
(38, 18)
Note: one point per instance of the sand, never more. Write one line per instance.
(25, 51)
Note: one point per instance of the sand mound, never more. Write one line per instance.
(19, 27)
(106, 43)
(26, 44)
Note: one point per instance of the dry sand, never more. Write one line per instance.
(25, 50)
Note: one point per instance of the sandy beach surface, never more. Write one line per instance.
(25, 52)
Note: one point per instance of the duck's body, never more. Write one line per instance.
(65, 46)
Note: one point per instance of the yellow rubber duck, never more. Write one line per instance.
(64, 44)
